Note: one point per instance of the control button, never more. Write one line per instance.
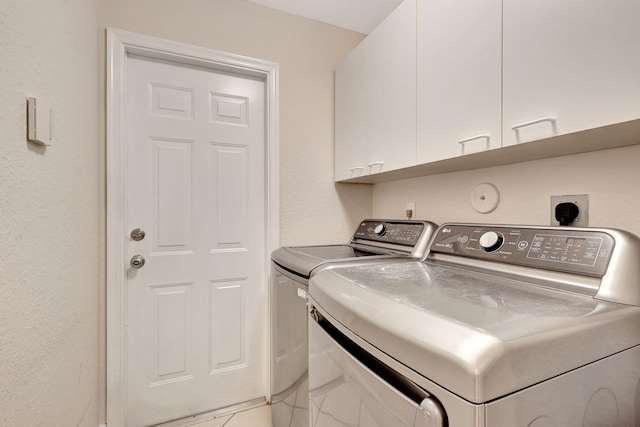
(464, 239)
(491, 241)
(380, 229)
(523, 244)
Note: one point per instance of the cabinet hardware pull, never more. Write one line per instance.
(535, 122)
(370, 165)
(357, 168)
(516, 128)
(463, 141)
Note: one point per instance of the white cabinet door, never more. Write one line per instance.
(569, 66)
(459, 77)
(351, 115)
(391, 91)
(375, 99)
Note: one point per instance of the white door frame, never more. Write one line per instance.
(119, 45)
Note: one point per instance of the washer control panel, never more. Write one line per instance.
(406, 233)
(563, 249)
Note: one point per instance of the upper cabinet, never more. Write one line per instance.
(375, 104)
(350, 115)
(450, 85)
(391, 80)
(459, 60)
(569, 66)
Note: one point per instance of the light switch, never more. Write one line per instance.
(38, 121)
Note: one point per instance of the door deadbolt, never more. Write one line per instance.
(137, 234)
(137, 261)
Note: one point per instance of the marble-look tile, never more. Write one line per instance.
(200, 420)
(257, 417)
(218, 422)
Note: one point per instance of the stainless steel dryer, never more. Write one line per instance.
(373, 241)
(500, 326)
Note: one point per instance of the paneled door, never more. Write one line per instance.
(195, 185)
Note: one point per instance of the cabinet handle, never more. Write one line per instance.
(370, 165)
(516, 128)
(535, 122)
(360, 168)
(473, 138)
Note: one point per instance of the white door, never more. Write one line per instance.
(195, 162)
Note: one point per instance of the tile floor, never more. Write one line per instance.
(256, 417)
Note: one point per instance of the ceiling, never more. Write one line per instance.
(361, 16)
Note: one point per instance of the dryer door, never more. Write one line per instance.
(349, 387)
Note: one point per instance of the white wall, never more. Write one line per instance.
(611, 178)
(49, 208)
(312, 211)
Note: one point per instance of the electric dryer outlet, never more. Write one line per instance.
(581, 200)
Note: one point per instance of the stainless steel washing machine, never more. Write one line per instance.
(500, 326)
(373, 241)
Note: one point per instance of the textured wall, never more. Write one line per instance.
(313, 209)
(609, 177)
(49, 216)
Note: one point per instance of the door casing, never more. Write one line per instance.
(120, 44)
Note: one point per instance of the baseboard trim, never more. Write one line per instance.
(218, 413)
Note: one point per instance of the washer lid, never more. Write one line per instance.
(479, 335)
(374, 238)
(302, 260)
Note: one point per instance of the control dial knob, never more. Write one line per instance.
(380, 229)
(491, 241)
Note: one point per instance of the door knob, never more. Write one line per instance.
(137, 261)
(137, 234)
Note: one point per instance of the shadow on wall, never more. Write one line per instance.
(356, 201)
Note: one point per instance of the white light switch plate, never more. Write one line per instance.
(38, 121)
